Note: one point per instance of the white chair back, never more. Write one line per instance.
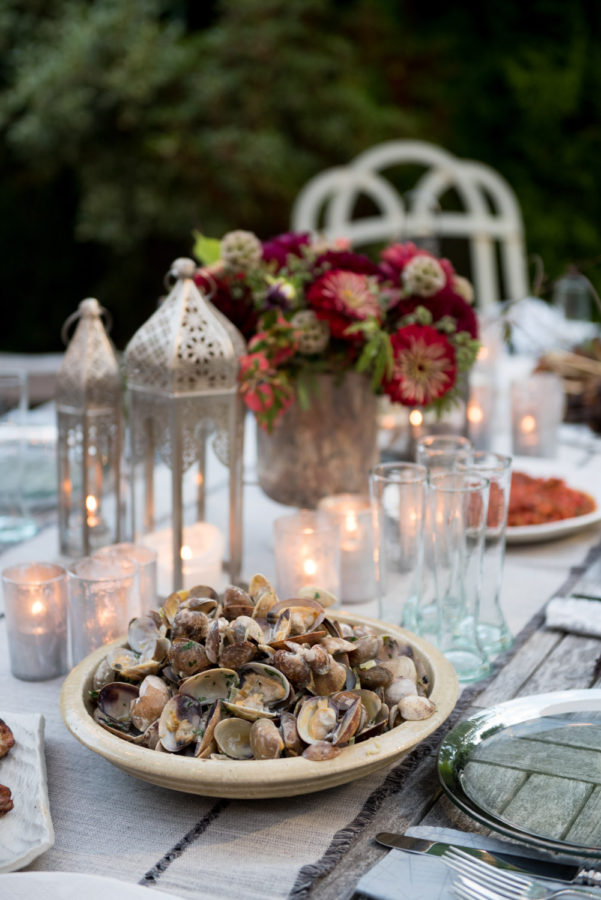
(490, 214)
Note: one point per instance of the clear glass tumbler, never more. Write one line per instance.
(438, 452)
(103, 597)
(458, 503)
(493, 632)
(398, 495)
(35, 605)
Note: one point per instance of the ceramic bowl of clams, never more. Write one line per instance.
(246, 695)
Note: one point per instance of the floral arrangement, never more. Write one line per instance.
(307, 306)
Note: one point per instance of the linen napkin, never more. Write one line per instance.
(424, 877)
(574, 614)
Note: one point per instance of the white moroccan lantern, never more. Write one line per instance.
(182, 381)
(89, 444)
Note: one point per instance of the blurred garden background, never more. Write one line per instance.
(128, 124)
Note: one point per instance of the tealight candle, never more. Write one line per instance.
(35, 604)
(201, 553)
(537, 406)
(352, 514)
(307, 553)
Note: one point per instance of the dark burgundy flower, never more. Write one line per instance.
(424, 366)
(448, 303)
(347, 260)
(232, 297)
(279, 248)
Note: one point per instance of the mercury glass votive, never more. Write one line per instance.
(307, 553)
(103, 597)
(35, 605)
(351, 513)
(146, 559)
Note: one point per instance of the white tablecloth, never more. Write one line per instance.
(109, 823)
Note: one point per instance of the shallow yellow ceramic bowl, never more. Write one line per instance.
(249, 779)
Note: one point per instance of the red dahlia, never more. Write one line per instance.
(424, 366)
(341, 298)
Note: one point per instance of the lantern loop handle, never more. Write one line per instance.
(77, 315)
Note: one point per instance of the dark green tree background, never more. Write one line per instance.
(126, 124)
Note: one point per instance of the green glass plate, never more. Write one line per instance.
(531, 769)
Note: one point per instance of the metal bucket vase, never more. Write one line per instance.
(327, 449)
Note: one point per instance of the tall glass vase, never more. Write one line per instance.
(326, 449)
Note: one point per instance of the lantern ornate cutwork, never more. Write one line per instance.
(90, 436)
(182, 382)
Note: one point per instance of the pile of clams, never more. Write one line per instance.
(248, 676)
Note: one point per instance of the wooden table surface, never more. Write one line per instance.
(540, 661)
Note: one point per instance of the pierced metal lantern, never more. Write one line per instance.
(182, 381)
(90, 436)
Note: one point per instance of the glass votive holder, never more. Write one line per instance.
(439, 452)
(201, 553)
(146, 558)
(307, 553)
(35, 605)
(537, 407)
(398, 505)
(481, 409)
(103, 598)
(351, 513)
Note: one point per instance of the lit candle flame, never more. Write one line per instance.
(528, 424)
(351, 522)
(416, 417)
(37, 608)
(186, 552)
(310, 567)
(475, 414)
(388, 422)
(91, 503)
(482, 353)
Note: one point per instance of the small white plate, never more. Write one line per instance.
(579, 479)
(72, 886)
(26, 831)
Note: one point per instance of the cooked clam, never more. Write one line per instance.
(233, 738)
(148, 705)
(262, 688)
(317, 719)
(266, 742)
(187, 657)
(179, 723)
(210, 685)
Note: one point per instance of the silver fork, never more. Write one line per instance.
(481, 881)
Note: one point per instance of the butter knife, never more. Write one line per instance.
(554, 871)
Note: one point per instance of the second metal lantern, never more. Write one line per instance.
(182, 381)
(89, 445)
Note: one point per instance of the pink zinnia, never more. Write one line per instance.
(341, 298)
(424, 366)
